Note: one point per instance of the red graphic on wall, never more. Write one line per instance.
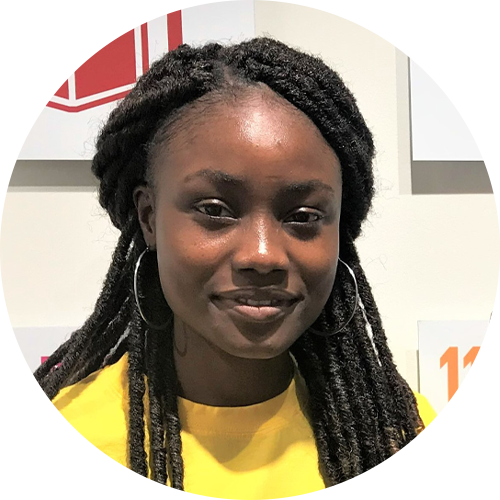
(111, 73)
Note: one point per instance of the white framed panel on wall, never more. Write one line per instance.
(455, 106)
(447, 101)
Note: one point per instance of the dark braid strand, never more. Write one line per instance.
(156, 404)
(136, 369)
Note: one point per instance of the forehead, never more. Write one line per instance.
(260, 138)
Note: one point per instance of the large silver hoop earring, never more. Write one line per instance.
(164, 325)
(353, 308)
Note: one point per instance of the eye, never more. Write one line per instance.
(214, 208)
(304, 216)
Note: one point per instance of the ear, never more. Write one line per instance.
(144, 203)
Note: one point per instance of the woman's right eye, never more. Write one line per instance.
(214, 209)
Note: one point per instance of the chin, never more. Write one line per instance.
(259, 353)
(268, 347)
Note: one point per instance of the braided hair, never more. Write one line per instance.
(361, 410)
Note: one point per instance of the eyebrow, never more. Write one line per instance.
(222, 179)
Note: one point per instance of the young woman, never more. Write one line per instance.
(236, 350)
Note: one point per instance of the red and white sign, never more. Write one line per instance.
(67, 127)
(111, 73)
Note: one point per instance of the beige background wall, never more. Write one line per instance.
(427, 257)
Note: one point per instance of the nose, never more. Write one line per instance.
(261, 247)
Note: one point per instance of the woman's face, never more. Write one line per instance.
(244, 216)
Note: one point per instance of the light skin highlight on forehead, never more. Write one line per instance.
(254, 122)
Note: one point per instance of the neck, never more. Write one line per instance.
(210, 376)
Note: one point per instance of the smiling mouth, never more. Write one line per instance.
(260, 311)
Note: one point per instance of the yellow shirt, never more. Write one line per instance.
(241, 453)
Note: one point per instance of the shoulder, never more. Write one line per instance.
(107, 384)
(99, 398)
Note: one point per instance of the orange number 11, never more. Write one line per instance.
(450, 358)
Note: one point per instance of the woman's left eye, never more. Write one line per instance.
(305, 217)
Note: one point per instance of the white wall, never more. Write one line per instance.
(427, 257)
(56, 246)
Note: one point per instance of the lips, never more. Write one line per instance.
(260, 303)
(257, 305)
(262, 295)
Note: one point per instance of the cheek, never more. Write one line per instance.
(318, 270)
(319, 280)
(186, 260)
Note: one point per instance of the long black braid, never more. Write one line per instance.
(360, 408)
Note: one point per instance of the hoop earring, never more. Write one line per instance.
(136, 295)
(356, 301)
